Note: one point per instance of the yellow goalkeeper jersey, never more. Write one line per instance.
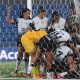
(30, 38)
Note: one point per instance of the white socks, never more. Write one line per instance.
(29, 66)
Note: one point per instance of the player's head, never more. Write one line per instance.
(55, 16)
(25, 13)
(42, 12)
(72, 9)
(73, 29)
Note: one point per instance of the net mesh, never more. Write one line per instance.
(8, 35)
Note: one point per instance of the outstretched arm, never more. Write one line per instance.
(76, 52)
(8, 18)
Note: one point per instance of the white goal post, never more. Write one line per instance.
(29, 6)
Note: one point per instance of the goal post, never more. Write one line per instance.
(29, 6)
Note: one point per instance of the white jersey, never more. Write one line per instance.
(59, 25)
(60, 35)
(40, 23)
(63, 51)
(23, 24)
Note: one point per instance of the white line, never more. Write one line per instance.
(15, 79)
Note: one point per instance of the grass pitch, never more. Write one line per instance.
(7, 69)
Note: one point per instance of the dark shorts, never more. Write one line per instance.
(46, 44)
(60, 66)
(19, 40)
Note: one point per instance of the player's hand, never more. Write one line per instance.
(10, 20)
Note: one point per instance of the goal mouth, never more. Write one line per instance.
(9, 33)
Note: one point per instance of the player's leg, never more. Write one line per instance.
(36, 56)
(44, 46)
(71, 62)
(19, 56)
(49, 59)
(26, 60)
(35, 67)
(29, 48)
(29, 66)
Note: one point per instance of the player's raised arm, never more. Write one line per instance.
(8, 18)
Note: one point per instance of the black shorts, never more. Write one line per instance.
(46, 44)
(60, 66)
(19, 40)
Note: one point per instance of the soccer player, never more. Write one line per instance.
(49, 43)
(64, 61)
(73, 30)
(78, 39)
(74, 41)
(72, 18)
(56, 22)
(52, 42)
(40, 21)
(29, 40)
(23, 26)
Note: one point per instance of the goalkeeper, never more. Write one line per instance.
(29, 40)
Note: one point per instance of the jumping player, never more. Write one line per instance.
(23, 26)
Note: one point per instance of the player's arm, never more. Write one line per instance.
(31, 26)
(74, 49)
(71, 62)
(8, 17)
(49, 59)
(50, 23)
(11, 21)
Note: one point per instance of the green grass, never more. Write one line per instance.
(7, 69)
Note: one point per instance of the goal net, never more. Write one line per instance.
(7, 68)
